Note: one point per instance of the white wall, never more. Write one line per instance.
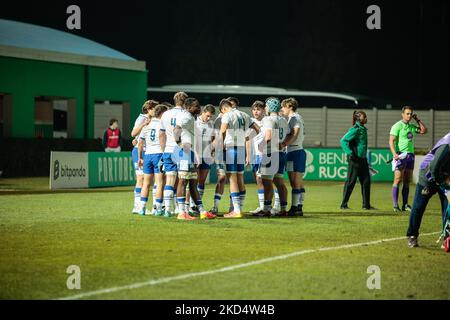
(326, 126)
(103, 113)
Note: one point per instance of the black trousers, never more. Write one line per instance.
(420, 204)
(357, 169)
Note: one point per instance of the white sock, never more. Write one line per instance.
(191, 201)
(143, 202)
(159, 204)
(302, 196)
(154, 195)
(235, 198)
(168, 197)
(174, 202)
(199, 205)
(296, 197)
(261, 198)
(217, 198)
(201, 190)
(137, 196)
(242, 195)
(267, 205)
(137, 201)
(181, 204)
(277, 200)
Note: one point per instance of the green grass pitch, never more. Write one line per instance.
(43, 232)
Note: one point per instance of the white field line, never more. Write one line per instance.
(230, 268)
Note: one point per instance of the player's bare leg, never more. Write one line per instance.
(268, 195)
(195, 194)
(137, 192)
(181, 199)
(298, 193)
(190, 203)
(175, 203)
(282, 192)
(398, 177)
(242, 191)
(230, 207)
(260, 187)
(220, 188)
(202, 175)
(235, 196)
(407, 177)
(147, 182)
(169, 190)
(159, 180)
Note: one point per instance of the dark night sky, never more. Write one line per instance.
(308, 45)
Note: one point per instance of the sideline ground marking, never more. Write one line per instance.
(230, 268)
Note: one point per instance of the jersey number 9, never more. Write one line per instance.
(153, 134)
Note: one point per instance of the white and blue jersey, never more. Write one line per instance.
(255, 152)
(185, 160)
(168, 123)
(204, 132)
(218, 153)
(273, 161)
(153, 152)
(238, 125)
(296, 155)
(134, 153)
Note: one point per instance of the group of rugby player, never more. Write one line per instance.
(175, 146)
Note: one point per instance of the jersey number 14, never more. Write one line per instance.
(241, 123)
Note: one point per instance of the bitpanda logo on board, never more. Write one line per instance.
(66, 171)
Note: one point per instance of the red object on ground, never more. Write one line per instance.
(447, 244)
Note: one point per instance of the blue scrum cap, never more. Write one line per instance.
(273, 104)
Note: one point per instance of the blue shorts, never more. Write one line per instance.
(273, 165)
(235, 159)
(296, 161)
(219, 159)
(135, 158)
(257, 164)
(169, 163)
(152, 163)
(407, 163)
(205, 165)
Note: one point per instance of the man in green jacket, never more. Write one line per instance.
(354, 144)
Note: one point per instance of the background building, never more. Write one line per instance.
(55, 84)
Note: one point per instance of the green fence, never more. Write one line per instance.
(110, 169)
(116, 169)
(331, 164)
